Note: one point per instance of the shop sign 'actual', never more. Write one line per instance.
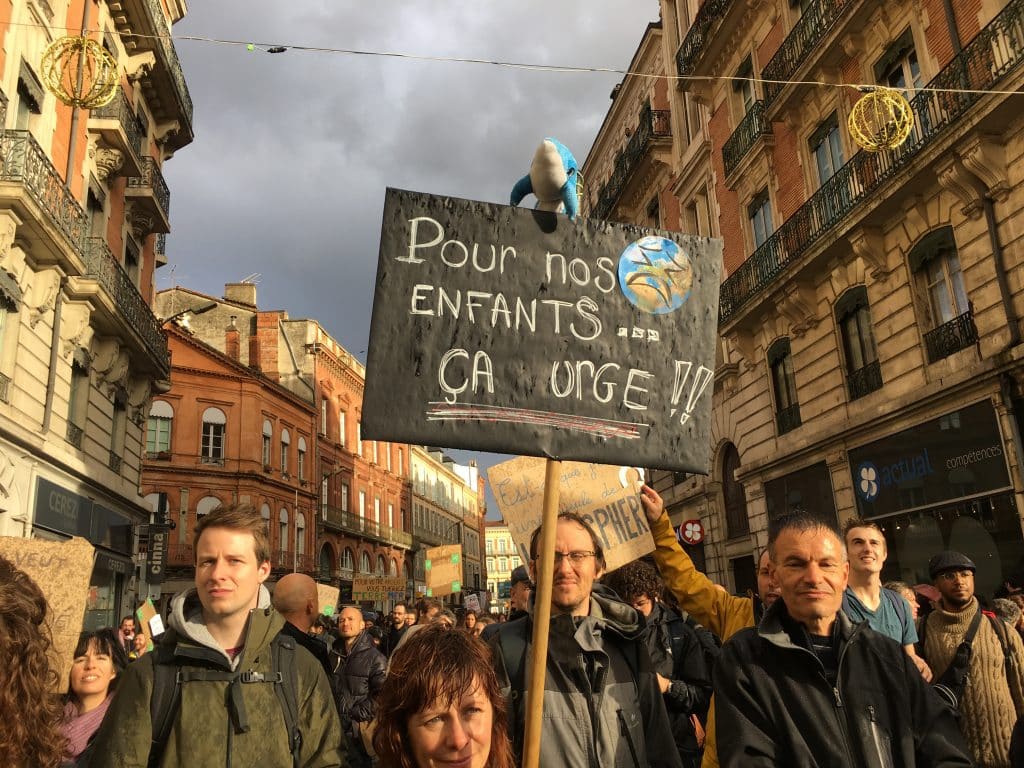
(516, 331)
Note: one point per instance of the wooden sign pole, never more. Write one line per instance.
(544, 566)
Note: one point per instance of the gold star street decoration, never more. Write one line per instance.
(80, 72)
(881, 119)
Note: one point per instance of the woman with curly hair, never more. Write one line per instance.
(441, 705)
(99, 660)
(29, 708)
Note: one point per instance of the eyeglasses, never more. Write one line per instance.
(954, 575)
(576, 557)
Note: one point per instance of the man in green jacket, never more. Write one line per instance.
(220, 642)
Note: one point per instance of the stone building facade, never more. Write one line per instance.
(869, 317)
(83, 214)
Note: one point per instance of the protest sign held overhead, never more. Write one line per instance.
(62, 570)
(328, 598)
(443, 569)
(606, 496)
(378, 588)
(503, 329)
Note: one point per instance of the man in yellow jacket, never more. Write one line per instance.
(705, 601)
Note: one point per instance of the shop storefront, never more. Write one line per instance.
(943, 484)
(60, 514)
(806, 490)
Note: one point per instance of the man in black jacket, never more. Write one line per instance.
(677, 656)
(808, 688)
(359, 672)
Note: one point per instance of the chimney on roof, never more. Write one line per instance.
(241, 293)
(232, 344)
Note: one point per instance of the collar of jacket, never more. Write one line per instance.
(362, 643)
(782, 630)
(607, 614)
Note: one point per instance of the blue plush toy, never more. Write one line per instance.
(552, 179)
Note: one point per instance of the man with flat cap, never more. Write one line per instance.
(518, 599)
(993, 696)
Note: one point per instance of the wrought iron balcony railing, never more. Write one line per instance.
(865, 380)
(5, 388)
(169, 55)
(653, 124)
(697, 36)
(160, 244)
(75, 434)
(3, 109)
(306, 564)
(994, 53)
(114, 462)
(103, 267)
(152, 179)
(282, 560)
(362, 526)
(752, 127)
(120, 110)
(959, 333)
(788, 419)
(813, 25)
(25, 161)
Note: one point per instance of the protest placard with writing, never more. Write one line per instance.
(606, 496)
(328, 597)
(378, 588)
(62, 570)
(504, 329)
(443, 569)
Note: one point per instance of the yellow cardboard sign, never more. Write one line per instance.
(443, 569)
(378, 588)
(62, 570)
(606, 496)
(327, 597)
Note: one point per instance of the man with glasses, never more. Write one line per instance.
(993, 697)
(602, 703)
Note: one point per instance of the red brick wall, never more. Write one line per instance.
(730, 219)
(789, 175)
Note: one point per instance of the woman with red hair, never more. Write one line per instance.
(441, 705)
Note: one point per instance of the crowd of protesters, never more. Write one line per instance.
(650, 665)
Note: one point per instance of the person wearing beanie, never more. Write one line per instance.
(993, 698)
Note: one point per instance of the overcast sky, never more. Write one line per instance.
(293, 151)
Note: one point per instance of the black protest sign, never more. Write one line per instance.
(516, 331)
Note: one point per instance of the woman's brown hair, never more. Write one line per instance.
(436, 666)
(29, 707)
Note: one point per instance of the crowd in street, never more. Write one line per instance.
(650, 665)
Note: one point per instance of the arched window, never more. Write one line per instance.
(853, 316)
(326, 564)
(300, 533)
(265, 514)
(206, 505)
(935, 263)
(787, 407)
(212, 445)
(736, 521)
(282, 521)
(153, 502)
(158, 428)
(364, 563)
(286, 441)
(342, 428)
(268, 436)
(348, 561)
(393, 570)
(300, 464)
(381, 565)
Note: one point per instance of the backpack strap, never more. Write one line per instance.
(286, 687)
(164, 702)
(900, 604)
(999, 627)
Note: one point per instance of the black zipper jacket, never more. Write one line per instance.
(775, 706)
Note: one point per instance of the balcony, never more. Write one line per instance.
(114, 462)
(698, 36)
(654, 124)
(788, 419)
(816, 22)
(63, 223)
(128, 305)
(150, 191)
(282, 560)
(5, 388)
(346, 522)
(75, 434)
(118, 126)
(865, 380)
(160, 249)
(983, 64)
(751, 128)
(959, 333)
(143, 26)
(306, 564)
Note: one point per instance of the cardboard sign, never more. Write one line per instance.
(328, 598)
(150, 622)
(472, 603)
(378, 588)
(516, 331)
(443, 569)
(62, 570)
(606, 496)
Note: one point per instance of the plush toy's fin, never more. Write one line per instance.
(522, 188)
(569, 198)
